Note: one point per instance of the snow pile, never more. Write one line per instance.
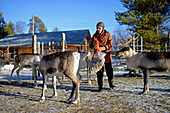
(7, 67)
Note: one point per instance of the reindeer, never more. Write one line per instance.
(146, 62)
(4, 56)
(57, 64)
(28, 60)
(24, 60)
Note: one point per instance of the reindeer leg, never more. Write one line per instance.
(146, 80)
(60, 82)
(15, 67)
(88, 76)
(34, 75)
(42, 99)
(20, 68)
(77, 99)
(76, 83)
(79, 75)
(72, 93)
(54, 86)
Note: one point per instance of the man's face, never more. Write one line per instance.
(99, 29)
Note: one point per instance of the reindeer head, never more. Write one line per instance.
(123, 52)
(97, 63)
(4, 55)
(127, 50)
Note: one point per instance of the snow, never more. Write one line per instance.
(26, 73)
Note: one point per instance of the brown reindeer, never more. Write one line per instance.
(23, 60)
(57, 64)
(146, 61)
(4, 56)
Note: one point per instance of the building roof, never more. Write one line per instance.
(72, 37)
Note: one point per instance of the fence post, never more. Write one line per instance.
(141, 44)
(60, 46)
(42, 48)
(45, 48)
(56, 47)
(133, 43)
(63, 49)
(38, 47)
(63, 42)
(49, 47)
(52, 46)
(34, 43)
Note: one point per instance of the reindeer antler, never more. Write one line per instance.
(7, 51)
(126, 44)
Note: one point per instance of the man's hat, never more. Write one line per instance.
(100, 24)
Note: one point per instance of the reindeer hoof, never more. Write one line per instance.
(9, 82)
(76, 102)
(69, 100)
(143, 92)
(36, 84)
(89, 83)
(54, 96)
(20, 83)
(41, 100)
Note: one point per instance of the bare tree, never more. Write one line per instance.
(20, 27)
(55, 29)
(120, 36)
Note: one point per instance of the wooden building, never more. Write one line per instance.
(22, 43)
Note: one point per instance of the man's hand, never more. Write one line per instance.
(101, 48)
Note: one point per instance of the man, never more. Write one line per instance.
(104, 39)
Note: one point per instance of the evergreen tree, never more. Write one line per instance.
(145, 18)
(3, 33)
(39, 26)
(10, 28)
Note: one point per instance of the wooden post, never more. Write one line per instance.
(33, 25)
(53, 47)
(45, 48)
(85, 45)
(63, 42)
(42, 48)
(56, 47)
(141, 44)
(133, 43)
(34, 44)
(63, 49)
(49, 47)
(38, 47)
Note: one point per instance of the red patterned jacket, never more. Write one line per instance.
(105, 40)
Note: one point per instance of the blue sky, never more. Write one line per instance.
(64, 14)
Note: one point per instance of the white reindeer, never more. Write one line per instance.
(146, 61)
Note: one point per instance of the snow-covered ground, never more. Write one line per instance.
(125, 97)
(26, 73)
